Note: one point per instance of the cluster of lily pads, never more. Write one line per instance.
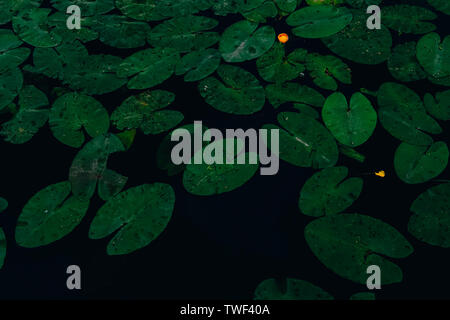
(180, 38)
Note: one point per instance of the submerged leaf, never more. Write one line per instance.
(295, 290)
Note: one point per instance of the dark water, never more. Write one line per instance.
(220, 246)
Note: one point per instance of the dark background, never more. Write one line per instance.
(217, 247)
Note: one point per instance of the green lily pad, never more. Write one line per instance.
(403, 64)
(274, 66)
(110, 184)
(349, 243)
(363, 296)
(244, 41)
(2, 247)
(198, 65)
(88, 7)
(144, 111)
(327, 193)
(71, 113)
(225, 7)
(350, 125)
(278, 94)
(49, 215)
(120, 32)
(9, 8)
(408, 19)
(319, 21)
(185, 34)
(140, 215)
(287, 6)
(305, 142)
(11, 81)
(237, 92)
(32, 27)
(439, 108)
(325, 69)
(433, 55)
(430, 222)
(295, 290)
(152, 66)
(261, 14)
(211, 179)
(30, 117)
(10, 55)
(441, 5)
(359, 44)
(403, 115)
(307, 110)
(89, 164)
(58, 21)
(418, 164)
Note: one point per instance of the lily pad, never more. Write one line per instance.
(439, 108)
(403, 115)
(305, 142)
(88, 7)
(140, 215)
(261, 14)
(29, 118)
(441, 5)
(89, 164)
(349, 243)
(198, 65)
(359, 44)
(327, 193)
(404, 65)
(244, 41)
(319, 21)
(71, 113)
(350, 125)
(295, 289)
(10, 55)
(237, 91)
(418, 164)
(278, 94)
(430, 222)
(408, 19)
(363, 296)
(433, 55)
(110, 184)
(9, 8)
(325, 69)
(11, 81)
(49, 215)
(152, 66)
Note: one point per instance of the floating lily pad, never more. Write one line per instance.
(71, 113)
(278, 94)
(349, 243)
(319, 21)
(441, 5)
(32, 27)
(274, 66)
(10, 55)
(325, 69)
(433, 55)
(350, 125)
(402, 114)
(11, 81)
(110, 184)
(29, 118)
(305, 142)
(307, 110)
(144, 111)
(439, 107)
(9, 8)
(225, 7)
(408, 19)
(295, 290)
(49, 215)
(89, 164)
(184, 34)
(58, 24)
(418, 164)
(244, 41)
(140, 215)
(359, 44)
(237, 91)
(430, 222)
(327, 193)
(88, 7)
(198, 65)
(287, 6)
(261, 14)
(211, 179)
(404, 65)
(152, 66)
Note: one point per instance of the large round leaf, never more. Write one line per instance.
(441, 5)
(439, 107)
(305, 142)
(402, 114)
(278, 94)
(10, 55)
(139, 214)
(237, 91)
(49, 215)
(319, 21)
(418, 164)
(433, 55)
(295, 289)
(408, 19)
(404, 65)
(349, 243)
(324, 70)
(71, 113)
(326, 192)
(198, 65)
(244, 41)
(350, 125)
(11, 81)
(430, 222)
